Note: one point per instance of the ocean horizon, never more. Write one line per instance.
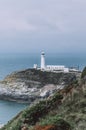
(16, 62)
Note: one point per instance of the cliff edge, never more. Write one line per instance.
(30, 84)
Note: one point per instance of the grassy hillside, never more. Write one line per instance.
(39, 113)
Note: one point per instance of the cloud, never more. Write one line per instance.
(31, 15)
(43, 22)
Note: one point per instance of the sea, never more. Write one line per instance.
(17, 62)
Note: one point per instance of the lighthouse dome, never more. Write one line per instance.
(42, 53)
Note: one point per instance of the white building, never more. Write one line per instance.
(35, 66)
(55, 67)
(52, 67)
(43, 67)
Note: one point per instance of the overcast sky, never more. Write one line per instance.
(49, 25)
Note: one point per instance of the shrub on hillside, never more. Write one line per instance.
(48, 127)
(53, 123)
(83, 73)
(32, 115)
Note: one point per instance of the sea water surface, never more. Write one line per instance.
(9, 109)
(16, 62)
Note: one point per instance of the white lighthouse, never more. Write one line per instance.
(42, 61)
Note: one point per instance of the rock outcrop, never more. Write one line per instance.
(30, 84)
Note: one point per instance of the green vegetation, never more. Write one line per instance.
(36, 112)
(54, 120)
(41, 109)
(83, 73)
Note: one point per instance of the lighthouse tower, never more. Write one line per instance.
(42, 61)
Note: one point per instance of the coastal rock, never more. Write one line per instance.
(17, 91)
(49, 90)
(30, 84)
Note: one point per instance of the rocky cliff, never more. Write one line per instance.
(30, 84)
